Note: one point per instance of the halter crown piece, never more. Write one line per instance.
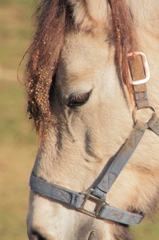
(98, 194)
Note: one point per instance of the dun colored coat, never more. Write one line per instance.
(81, 100)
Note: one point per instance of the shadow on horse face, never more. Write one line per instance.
(82, 102)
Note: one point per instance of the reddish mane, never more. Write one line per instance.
(53, 18)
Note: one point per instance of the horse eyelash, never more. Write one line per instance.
(78, 100)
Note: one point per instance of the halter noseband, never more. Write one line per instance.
(98, 195)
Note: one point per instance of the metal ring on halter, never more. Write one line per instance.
(135, 111)
(145, 66)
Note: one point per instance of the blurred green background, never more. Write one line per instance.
(18, 143)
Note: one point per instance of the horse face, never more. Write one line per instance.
(91, 119)
(85, 92)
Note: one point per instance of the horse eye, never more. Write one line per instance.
(78, 100)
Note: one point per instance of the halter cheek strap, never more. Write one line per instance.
(120, 160)
(97, 195)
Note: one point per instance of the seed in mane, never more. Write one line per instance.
(43, 60)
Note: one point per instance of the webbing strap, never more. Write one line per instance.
(139, 70)
(118, 215)
(120, 160)
(76, 200)
(55, 192)
(154, 124)
(140, 96)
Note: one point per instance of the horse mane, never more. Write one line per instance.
(53, 18)
(44, 55)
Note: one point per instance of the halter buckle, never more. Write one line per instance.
(145, 68)
(98, 203)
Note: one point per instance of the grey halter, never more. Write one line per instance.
(98, 194)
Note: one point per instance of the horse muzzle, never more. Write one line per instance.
(52, 221)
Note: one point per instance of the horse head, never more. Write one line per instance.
(86, 183)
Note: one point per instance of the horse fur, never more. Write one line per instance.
(80, 141)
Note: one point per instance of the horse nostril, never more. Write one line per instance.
(36, 236)
(94, 236)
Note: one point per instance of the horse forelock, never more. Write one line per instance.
(44, 54)
(53, 19)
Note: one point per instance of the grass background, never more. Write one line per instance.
(18, 142)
